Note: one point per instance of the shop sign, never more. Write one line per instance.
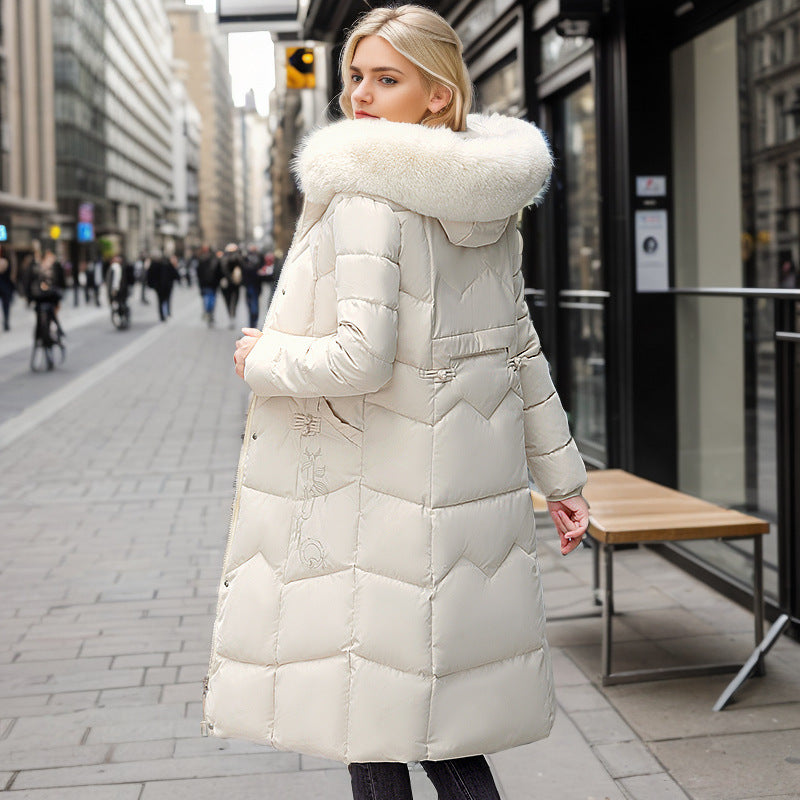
(651, 185)
(85, 232)
(3, 233)
(652, 251)
(86, 212)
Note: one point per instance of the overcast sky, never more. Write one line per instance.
(251, 62)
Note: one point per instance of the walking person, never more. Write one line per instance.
(231, 280)
(251, 278)
(94, 280)
(208, 276)
(380, 601)
(161, 277)
(6, 289)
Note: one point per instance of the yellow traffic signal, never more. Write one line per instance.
(300, 68)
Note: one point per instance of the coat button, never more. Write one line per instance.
(441, 374)
(255, 436)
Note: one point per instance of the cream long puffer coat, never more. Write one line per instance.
(380, 597)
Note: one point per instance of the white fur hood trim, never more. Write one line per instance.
(488, 172)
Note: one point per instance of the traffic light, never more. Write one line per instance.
(300, 68)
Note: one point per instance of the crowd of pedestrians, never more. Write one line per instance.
(226, 272)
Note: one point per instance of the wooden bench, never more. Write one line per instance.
(626, 509)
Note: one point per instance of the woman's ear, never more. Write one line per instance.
(440, 98)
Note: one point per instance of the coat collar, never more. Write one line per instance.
(488, 172)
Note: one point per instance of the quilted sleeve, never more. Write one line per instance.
(553, 457)
(359, 357)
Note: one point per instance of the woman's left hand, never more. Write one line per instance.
(243, 348)
(571, 518)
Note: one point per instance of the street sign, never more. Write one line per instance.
(85, 232)
(3, 233)
(86, 212)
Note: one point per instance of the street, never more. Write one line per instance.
(117, 483)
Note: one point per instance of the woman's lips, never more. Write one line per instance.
(364, 115)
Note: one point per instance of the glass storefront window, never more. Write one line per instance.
(582, 304)
(736, 156)
(556, 50)
(501, 90)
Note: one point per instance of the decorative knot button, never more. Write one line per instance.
(306, 424)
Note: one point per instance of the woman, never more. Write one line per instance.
(380, 600)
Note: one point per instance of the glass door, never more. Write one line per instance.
(579, 280)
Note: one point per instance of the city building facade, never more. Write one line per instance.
(183, 209)
(202, 49)
(254, 146)
(113, 125)
(662, 269)
(139, 103)
(27, 139)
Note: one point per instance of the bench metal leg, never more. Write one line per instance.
(751, 664)
(608, 609)
(755, 664)
(598, 601)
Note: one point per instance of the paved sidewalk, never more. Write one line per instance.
(113, 520)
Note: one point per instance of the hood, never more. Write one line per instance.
(465, 179)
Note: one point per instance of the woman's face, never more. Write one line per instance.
(385, 84)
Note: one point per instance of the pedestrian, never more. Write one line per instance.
(268, 274)
(380, 601)
(140, 268)
(251, 278)
(6, 289)
(208, 277)
(162, 275)
(231, 280)
(94, 280)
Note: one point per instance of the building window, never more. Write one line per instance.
(782, 205)
(777, 50)
(779, 118)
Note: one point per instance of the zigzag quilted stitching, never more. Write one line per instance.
(488, 576)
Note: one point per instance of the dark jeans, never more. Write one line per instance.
(252, 293)
(454, 779)
(209, 300)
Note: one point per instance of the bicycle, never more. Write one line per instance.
(48, 336)
(120, 313)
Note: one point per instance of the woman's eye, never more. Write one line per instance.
(355, 78)
(386, 78)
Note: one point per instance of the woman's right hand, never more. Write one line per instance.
(571, 518)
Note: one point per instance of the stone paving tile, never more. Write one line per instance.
(626, 759)
(138, 695)
(45, 757)
(140, 732)
(312, 762)
(117, 792)
(142, 751)
(160, 769)
(142, 660)
(653, 787)
(160, 675)
(331, 784)
(581, 698)
(735, 766)
(602, 727)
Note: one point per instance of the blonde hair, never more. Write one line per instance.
(427, 41)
